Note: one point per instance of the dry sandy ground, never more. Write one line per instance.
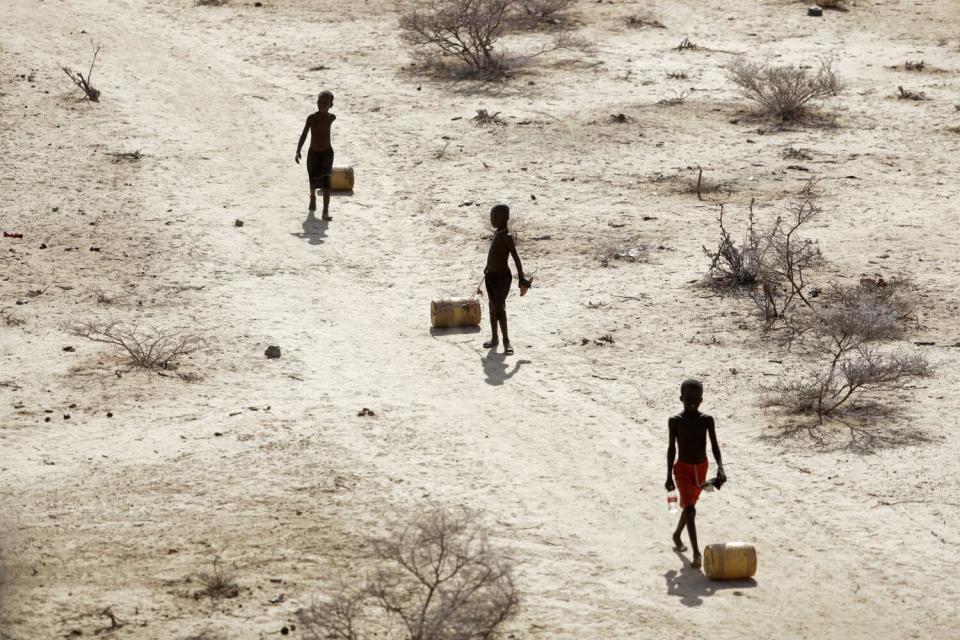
(562, 445)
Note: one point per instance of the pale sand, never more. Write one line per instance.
(562, 445)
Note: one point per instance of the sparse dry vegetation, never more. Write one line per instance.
(839, 332)
(218, 582)
(847, 327)
(786, 93)
(438, 578)
(485, 117)
(907, 94)
(533, 13)
(468, 32)
(833, 5)
(736, 265)
(700, 185)
(643, 20)
(149, 349)
(677, 98)
(92, 93)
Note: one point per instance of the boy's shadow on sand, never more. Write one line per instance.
(314, 229)
(691, 586)
(497, 369)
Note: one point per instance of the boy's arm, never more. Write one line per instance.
(712, 431)
(303, 137)
(671, 454)
(516, 258)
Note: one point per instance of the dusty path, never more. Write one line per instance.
(562, 444)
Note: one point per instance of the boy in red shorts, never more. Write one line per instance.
(689, 430)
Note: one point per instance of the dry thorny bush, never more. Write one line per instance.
(147, 349)
(530, 14)
(847, 327)
(787, 93)
(218, 582)
(468, 32)
(773, 261)
(839, 332)
(437, 578)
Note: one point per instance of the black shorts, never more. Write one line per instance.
(319, 167)
(498, 286)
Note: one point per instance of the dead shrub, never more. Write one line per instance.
(733, 265)
(622, 249)
(773, 261)
(11, 319)
(914, 65)
(534, 13)
(847, 325)
(438, 578)
(218, 582)
(211, 3)
(643, 20)
(685, 44)
(467, 30)
(786, 93)
(485, 117)
(149, 349)
(833, 5)
(907, 94)
(677, 99)
(787, 258)
(700, 185)
(92, 93)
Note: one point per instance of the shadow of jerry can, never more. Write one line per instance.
(730, 561)
(455, 312)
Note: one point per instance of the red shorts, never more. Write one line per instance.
(688, 478)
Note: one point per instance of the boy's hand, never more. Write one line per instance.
(721, 478)
(669, 485)
(297, 159)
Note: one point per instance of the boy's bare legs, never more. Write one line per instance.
(494, 339)
(677, 541)
(691, 517)
(326, 204)
(503, 329)
(313, 199)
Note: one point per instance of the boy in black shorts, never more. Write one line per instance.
(498, 278)
(320, 154)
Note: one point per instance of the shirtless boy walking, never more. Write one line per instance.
(320, 154)
(689, 430)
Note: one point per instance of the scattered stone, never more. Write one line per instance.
(815, 11)
(272, 351)
(66, 416)
(366, 412)
(238, 222)
(109, 414)
(69, 348)
(47, 419)
(218, 433)
(43, 245)
(277, 599)
(73, 405)
(95, 249)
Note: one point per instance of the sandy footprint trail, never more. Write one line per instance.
(561, 444)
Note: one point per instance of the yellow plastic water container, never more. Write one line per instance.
(455, 312)
(341, 179)
(729, 561)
